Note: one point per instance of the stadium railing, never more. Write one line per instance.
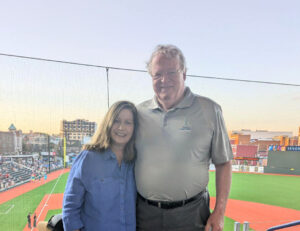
(283, 226)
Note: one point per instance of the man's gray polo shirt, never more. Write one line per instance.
(175, 147)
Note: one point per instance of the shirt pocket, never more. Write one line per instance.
(106, 180)
(105, 191)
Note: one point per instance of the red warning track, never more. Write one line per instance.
(260, 216)
(49, 202)
(19, 190)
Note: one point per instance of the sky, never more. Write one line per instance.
(251, 40)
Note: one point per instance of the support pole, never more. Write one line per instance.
(246, 226)
(237, 226)
(107, 84)
(65, 150)
(48, 153)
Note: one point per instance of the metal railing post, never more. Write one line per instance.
(246, 226)
(294, 223)
(237, 226)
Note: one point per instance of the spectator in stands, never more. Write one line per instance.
(100, 193)
(32, 177)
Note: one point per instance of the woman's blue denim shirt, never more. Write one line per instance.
(100, 194)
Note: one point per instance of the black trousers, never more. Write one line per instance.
(190, 217)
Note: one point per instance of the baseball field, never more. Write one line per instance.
(264, 200)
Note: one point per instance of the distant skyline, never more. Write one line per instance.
(295, 132)
(255, 40)
(232, 130)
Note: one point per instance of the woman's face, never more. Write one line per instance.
(122, 128)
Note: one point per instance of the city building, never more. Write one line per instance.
(239, 139)
(35, 142)
(262, 134)
(11, 141)
(262, 138)
(263, 146)
(294, 141)
(77, 130)
(6, 142)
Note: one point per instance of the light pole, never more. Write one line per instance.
(48, 152)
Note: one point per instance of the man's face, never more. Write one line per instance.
(168, 80)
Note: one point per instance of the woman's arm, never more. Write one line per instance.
(74, 195)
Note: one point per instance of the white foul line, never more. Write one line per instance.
(48, 197)
(8, 210)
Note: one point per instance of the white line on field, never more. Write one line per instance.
(49, 196)
(8, 210)
(11, 207)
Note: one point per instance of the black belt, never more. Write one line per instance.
(171, 204)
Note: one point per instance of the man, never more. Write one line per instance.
(29, 220)
(34, 220)
(179, 134)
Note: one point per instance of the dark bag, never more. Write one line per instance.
(55, 223)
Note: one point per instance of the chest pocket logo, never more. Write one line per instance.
(186, 126)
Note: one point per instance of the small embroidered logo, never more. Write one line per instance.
(186, 126)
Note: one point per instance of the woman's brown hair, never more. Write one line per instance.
(101, 141)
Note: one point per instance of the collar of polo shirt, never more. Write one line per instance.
(185, 102)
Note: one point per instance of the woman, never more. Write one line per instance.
(100, 193)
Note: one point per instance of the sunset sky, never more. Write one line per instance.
(254, 40)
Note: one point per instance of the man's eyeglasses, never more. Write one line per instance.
(168, 74)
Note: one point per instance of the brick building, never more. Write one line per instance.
(11, 141)
(262, 139)
(77, 129)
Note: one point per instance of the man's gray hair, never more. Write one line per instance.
(170, 51)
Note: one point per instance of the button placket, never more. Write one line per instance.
(123, 176)
(165, 119)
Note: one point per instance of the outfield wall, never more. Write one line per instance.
(286, 162)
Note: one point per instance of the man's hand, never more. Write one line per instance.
(223, 180)
(215, 222)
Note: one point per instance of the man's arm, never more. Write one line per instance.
(223, 181)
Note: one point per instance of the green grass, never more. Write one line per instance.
(16, 219)
(228, 223)
(276, 190)
(282, 191)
